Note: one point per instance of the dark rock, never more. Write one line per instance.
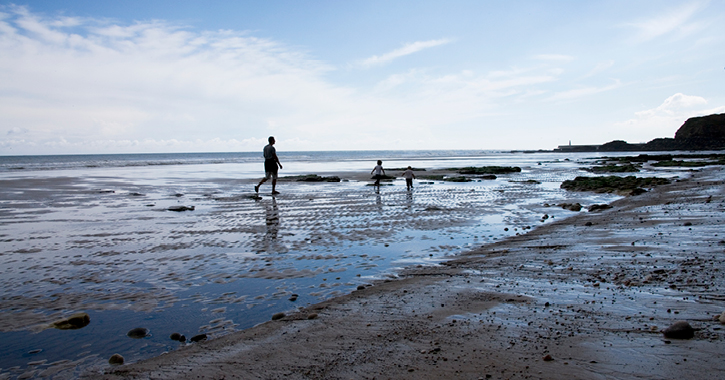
(278, 316)
(115, 359)
(312, 316)
(182, 339)
(175, 336)
(609, 184)
(487, 170)
(293, 297)
(181, 208)
(360, 287)
(547, 358)
(198, 338)
(704, 132)
(598, 207)
(679, 330)
(138, 333)
(74, 322)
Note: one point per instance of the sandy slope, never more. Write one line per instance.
(593, 292)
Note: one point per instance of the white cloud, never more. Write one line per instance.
(665, 119)
(671, 21)
(407, 49)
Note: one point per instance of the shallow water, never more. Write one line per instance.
(100, 240)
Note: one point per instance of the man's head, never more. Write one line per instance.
(271, 139)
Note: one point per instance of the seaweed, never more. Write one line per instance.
(608, 184)
(486, 170)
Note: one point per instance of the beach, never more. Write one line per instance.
(582, 298)
(506, 268)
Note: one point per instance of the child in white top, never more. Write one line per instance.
(409, 175)
(378, 173)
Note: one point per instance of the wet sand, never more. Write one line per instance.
(582, 298)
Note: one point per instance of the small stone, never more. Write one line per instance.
(679, 330)
(74, 322)
(277, 316)
(721, 318)
(547, 358)
(198, 338)
(182, 339)
(293, 297)
(115, 359)
(360, 287)
(312, 316)
(138, 333)
(175, 336)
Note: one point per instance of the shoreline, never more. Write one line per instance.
(621, 275)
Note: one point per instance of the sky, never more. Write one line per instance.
(161, 76)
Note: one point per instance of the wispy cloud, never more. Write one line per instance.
(671, 21)
(554, 57)
(583, 92)
(407, 49)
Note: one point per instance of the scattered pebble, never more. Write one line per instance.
(138, 333)
(679, 330)
(115, 359)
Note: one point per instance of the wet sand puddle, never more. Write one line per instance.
(110, 247)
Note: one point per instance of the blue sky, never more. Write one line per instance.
(193, 76)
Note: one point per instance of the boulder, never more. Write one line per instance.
(679, 330)
(73, 322)
(138, 333)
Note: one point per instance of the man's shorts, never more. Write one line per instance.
(270, 169)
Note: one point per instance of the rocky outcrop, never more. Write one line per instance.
(698, 133)
(705, 132)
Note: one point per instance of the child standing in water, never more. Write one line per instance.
(378, 173)
(409, 175)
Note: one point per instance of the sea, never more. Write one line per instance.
(95, 234)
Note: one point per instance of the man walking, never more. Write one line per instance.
(270, 166)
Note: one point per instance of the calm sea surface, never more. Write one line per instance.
(93, 234)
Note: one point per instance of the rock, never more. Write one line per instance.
(597, 207)
(138, 333)
(679, 330)
(175, 336)
(74, 322)
(312, 316)
(721, 318)
(547, 358)
(293, 297)
(576, 207)
(198, 338)
(115, 359)
(277, 316)
(704, 132)
(360, 287)
(181, 208)
(182, 339)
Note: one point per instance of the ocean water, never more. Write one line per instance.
(93, 234)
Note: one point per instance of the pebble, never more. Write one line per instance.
(74, 322)
(115, 359)
(277, 316)
(547, 358)
(312, 316)
(722, 318)
(679, 330)
(198, 338)
(138, 333)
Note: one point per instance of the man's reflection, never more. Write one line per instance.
(272, 220)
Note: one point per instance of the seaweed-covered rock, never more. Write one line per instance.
(181, 208)
(115, 359)
(487, 170)
(609, 184)
(73, 322)
(626, 168)
(138, 333)
(313, 178)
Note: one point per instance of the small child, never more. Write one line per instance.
(378, 173)
(409, 175)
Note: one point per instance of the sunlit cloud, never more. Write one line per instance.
(407, 49)
(665, 119)
(584, 92)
